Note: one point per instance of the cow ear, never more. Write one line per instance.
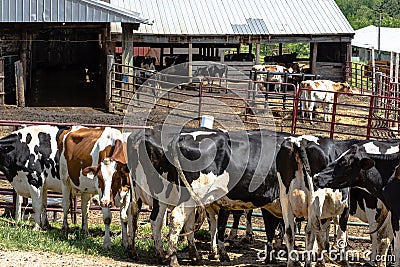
(91, 169)
(366, 163)
(118, 154)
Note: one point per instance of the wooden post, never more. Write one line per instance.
(19, 82)
(2, 82)
(258, 54)
(110, 62)
(127, 58)
(23, 53)
(190, 60)
(314, 58)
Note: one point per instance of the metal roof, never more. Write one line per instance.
(240, 17)
(65, 11)
(368, 37)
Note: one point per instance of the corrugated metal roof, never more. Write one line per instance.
(368, 37)
(240, 17)
(65, 11)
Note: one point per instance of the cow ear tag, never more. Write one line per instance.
(367, 163)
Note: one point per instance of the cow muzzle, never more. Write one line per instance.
(106, 204)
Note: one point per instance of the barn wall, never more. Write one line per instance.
(331, 60)
(9, 43)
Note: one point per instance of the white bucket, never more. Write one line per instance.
(207, 121)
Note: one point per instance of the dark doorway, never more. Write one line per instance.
(66, 69)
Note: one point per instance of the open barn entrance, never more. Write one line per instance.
(66, 70)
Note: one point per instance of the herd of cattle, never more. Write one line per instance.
(201, 171)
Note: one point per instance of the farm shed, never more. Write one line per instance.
(61, 47)
(206, 27)
(383, 40)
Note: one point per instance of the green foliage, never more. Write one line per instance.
(362, 13)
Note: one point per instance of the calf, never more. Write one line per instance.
(89, 159)
(320, 91)
(358, 167)
(30, 161)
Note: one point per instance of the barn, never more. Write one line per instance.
(62, 45)
(207, 28)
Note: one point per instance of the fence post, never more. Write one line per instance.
(2, 82)
(333, 118)
(295, 109)
(370, 112)
(200, 100)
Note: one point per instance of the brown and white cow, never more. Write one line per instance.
(277, 76)
(320, 91)
(89, 160)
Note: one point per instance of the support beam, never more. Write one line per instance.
(391, 65)
(127, 57)
(258, 46)
(190, 52)
(396, 70)
(314, 58)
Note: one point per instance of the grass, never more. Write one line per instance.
(20, 236)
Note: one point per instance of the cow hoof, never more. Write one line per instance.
(224, 257)
(194, 255)
(247, 240)
(133, 254)
(107, 245)
(213, 256)
(64, 231)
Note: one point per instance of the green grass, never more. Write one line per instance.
(20, 236)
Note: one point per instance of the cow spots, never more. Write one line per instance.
(379, 148)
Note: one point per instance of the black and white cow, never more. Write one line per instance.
(370, 167)
(223, 164)
(30, 161)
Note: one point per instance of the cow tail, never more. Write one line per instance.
(194, 195)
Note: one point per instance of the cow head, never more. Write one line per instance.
(112, 179)
(345, 171)
(344, 87)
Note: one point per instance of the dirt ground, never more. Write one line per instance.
(243, 255)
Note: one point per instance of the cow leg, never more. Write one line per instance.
(395, 218)
(107, 218)
(311, 109)
(178, 217)
(223, 216)
(288, 219)
(270, 223)
(45, 222)
(37, 206)
(133, 215)
(342, 236)
(370, 213)
(249, 227)
(189, 229)
(212, 214)
(66, 192)
(123, 215)
(382, 244)
(85, 202)
(236, 219)
(156, 220)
